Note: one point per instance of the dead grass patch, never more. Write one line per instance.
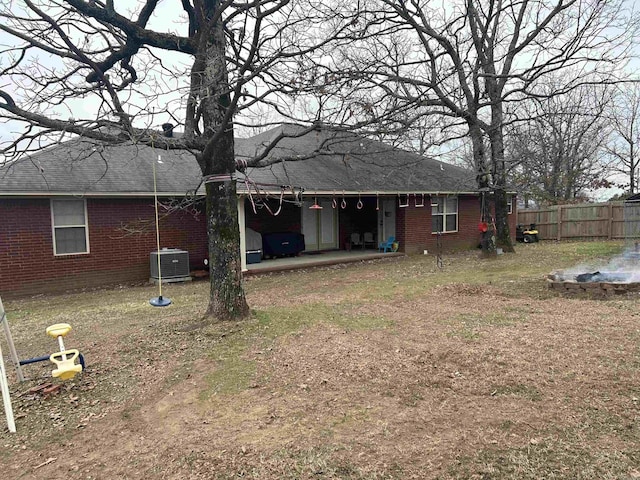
(385, 370)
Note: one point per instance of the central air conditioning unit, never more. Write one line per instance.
(174, 265)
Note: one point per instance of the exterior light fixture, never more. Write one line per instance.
(315, 205)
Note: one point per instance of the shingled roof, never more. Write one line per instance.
(329, 161)
(320, 161)
(84, 167)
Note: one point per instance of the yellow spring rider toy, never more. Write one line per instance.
(65, 360)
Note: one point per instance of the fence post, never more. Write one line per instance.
(610, 230)
(559, 222)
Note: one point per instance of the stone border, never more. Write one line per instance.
(555, 281)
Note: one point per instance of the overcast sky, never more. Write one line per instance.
(166, 19)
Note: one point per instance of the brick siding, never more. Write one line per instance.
(28, 265)
(413, 227)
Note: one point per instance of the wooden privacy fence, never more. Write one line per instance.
(588, 221)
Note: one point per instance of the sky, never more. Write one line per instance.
(167, 15)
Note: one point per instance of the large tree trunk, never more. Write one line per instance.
(227, 300)
(503, 236)
(498, 168)
(226, 294)
(487, 239)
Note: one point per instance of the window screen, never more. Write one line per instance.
(444, 214)
(69, 227)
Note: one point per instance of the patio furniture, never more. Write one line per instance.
(369, 240)
(253, 245)
(282, 244)
(356, 240)
(388, 245)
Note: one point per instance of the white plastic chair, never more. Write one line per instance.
(369, 240)
(356, 240)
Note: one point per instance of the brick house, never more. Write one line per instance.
(402, 194)
(80, 214)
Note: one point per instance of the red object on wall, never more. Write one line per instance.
(483, 227)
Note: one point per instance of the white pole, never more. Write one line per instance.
(6, 398)
(158, 301)
(12, 348)
(155, 197)
(61, 345)
(243, 234)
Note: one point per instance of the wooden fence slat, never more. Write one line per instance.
(593, 220)
(559, 234)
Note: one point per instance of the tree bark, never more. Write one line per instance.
(227, 299)
(487, 239)
(496, 138)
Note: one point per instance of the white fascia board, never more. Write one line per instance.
(88, 195)
(337, 193)
(347, 193)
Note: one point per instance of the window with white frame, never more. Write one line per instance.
(70, 229)
(444, 214)
(510, 204)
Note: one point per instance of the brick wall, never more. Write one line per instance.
(28, 265)
(413, 227)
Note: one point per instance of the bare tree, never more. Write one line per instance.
(558, 153)
(469, 59)
(115, 73)
(413, 71)
(624, 144)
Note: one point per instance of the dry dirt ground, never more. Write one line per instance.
(382, 370)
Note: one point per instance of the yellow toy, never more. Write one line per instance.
(64, 359)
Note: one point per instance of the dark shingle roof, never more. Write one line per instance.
(83, 167)
(346, 162)
(351, 163)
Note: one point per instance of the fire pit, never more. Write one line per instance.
(599, 282)
(621, 274)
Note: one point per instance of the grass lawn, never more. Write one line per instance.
(388, 369)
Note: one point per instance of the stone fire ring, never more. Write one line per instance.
(568, 283)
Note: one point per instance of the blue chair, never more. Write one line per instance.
(388, 245)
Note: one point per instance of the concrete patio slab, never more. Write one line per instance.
(307, 260)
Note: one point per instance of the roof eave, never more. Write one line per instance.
(89, 194)
(367, 193)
